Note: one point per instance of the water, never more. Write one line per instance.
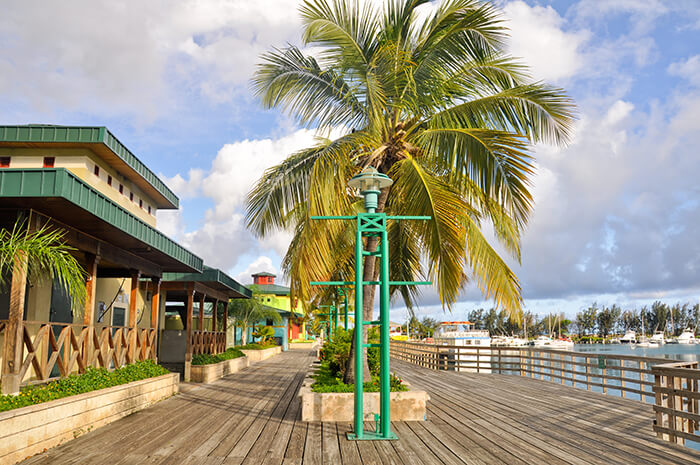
(681, 352)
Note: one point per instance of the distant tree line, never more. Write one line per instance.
(593, 321)
(604, 321)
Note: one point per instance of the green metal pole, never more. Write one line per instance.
(359, 328)
(384, 373)
(345, 298)
(336, 319)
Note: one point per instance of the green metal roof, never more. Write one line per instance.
(37, 133)
(210, 275)
(272, 289)
(61, 183)
(264, 273)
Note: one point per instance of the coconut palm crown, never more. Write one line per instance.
(426, 94)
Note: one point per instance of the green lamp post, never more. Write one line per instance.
(370, 182)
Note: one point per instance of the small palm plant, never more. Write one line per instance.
(45, 256)
(264, 334)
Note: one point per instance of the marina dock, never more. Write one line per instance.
(253, 417)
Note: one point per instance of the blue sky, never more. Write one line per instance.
(618, 212)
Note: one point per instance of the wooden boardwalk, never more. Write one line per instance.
(252, 417)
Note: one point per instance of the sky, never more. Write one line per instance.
(617, 212)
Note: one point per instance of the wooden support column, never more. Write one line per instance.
(214, 311)
(155, 313)
(12, 350)
(133, 296)
(89, 310)
(225, 325)
(188, 327)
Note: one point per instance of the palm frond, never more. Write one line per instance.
(420, 192)
(496, 161)
(48, 259)
(288, 79)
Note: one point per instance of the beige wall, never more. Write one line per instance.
(108, 288)
(81, 162)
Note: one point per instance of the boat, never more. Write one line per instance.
(658, 338)
(630, 337)
(547, 342)
(686, 337)
(645, 342)
(508, 341)
(462, 334)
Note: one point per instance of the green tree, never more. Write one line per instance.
(607, 319)
(630, 321)
(247, 312)
(434, 102)
(586, 320)
(46, 257)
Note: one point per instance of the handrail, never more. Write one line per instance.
(52, 349)
(671, 386)
(677, 396)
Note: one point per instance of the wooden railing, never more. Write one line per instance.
(677, 395)
(56, 350)
(671, 387)
(208, 342)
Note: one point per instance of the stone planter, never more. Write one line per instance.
(340, 406)
(259, 355)
(302, 345)
(29, 430)
(212, 372)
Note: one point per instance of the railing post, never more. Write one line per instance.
(622, 380)
(188, 342)
(574, 369)
(588, 374)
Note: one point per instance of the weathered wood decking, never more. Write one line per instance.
(252, 417)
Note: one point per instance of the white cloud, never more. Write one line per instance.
(259, 265)
(539, 38)
(223, 238)
(135, 57)
(239, 165)
(688, 69)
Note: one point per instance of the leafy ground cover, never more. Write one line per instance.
(334, 355)
(208, 359)
(327, 381)
(92, 380)
(257, 346)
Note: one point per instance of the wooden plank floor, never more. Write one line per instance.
(253, 417)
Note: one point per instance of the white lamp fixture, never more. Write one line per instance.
(370, 182)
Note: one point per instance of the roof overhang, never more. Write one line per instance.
(59, 194)
(101, 142)
(212, 278)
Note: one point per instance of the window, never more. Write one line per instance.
(49, 162)
(268, 322)
(131, 196)
(97, 170)
(5, 162)
(140, 203)
(149, 209)
(121, 188)
(109, 180)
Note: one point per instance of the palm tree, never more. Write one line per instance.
(246, 312)
(46, 257)
(426, 95)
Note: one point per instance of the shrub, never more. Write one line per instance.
(257, 346)
(208, 359)
(92, 380)
(326, 381)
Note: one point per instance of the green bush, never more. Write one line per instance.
(337, 352)
(92, 380)
(257, 346)
(207, 359)
(326, 381)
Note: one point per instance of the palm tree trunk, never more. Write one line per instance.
(370, 272)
